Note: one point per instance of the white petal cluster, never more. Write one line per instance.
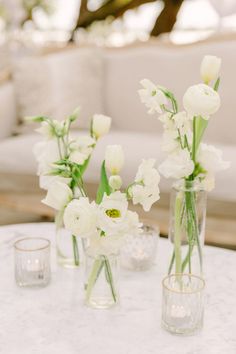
(58, 196)
(46, 154)
(114, 158)
(145, 190)
(201, 100)
(81, 149)
(100, 125)
(210, 68)
(152, 96)
(177, 165)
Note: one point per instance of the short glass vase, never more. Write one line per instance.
(182, 303)
(187, 228)
(101, 280)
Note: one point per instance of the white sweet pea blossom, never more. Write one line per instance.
(177, 165)
(210, 68)
(58, 196)
(114, 158)
(170, 141)
(152, 96)
(115, 182)
(201, 100)
(210, 158)
(182, 123)
(145, 190)
(81, 149)
(45, 182)
(80, 217)
(46, 153)
(100, 125)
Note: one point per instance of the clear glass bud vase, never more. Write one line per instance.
(187, 228)
(101, 278)
(67, 246)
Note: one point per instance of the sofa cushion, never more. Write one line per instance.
(54, 84)
(175, 67)
(16, 158)
(8, 116)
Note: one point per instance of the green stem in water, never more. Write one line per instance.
(96, 270)
(177, 233)
(109, 277)
(75, 250)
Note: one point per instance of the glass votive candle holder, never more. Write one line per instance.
(32, 262)
(183, 303)
(139, 251)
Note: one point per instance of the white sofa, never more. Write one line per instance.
(106, 81)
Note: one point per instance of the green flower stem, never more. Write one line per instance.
(177, 233)
(75, 250)
(109, 277)
(96, 270)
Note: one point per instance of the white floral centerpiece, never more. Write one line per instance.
(190, 162)
(104, 223)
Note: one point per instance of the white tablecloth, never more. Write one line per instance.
(54, 320)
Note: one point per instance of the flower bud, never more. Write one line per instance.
(115, 182)
(114, 158)
(100, 125)
(210, 68)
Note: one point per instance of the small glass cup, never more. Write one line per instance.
(32, 262)
(139, 251)
(183, 303)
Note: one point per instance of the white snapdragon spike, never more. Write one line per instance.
(210, 159)
(152, 96)
(210, 68)
(145, 190)
(115, 182)
(112, 212)
(46, 153)
(100, 125)
(45, 182)
(81, 149)
(80, 217)
(177, 165)
(58, 196)
(114, 158)
(46, 130)
(201, 100)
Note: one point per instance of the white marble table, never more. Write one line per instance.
(53, 320)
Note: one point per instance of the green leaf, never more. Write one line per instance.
(200, 125)
(83, 167)
(104, 185)
(36, 119)
(217, 84)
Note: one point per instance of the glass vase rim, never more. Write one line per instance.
(24, 249)
(183, 185)
(190, 275)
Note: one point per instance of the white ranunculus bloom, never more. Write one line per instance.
(46, 153)
(114, 158)
(210, 158)
(201, 100)
(115, 182)
(177, 165)
(80, 217)
(210, 68)
(146, 189)
(100, 125)
(46, 181)
(152, 96)
(58, 196)
(112, 213)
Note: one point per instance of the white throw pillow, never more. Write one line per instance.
(55, 84)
